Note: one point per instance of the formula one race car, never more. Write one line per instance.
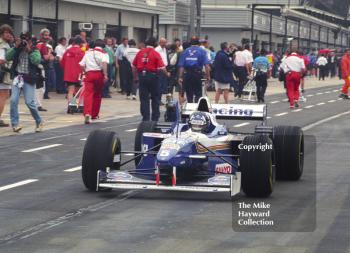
(197, 154)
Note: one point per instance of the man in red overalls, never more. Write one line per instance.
(294, 67)
(345, 70)
(94, 64)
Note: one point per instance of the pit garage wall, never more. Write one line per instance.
(136, 16)
(219, 21)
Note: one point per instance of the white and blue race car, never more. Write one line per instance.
(197, 154)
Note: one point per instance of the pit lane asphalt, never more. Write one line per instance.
(56, 213)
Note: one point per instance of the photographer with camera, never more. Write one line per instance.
(25, 73)
(6, 35)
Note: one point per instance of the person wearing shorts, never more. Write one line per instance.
(71, 68)
(223, 73)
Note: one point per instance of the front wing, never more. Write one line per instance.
(126, 181)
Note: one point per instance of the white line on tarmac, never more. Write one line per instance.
(73, 169)
(131, 130)
(297, 110)
(274, 102)
(268, 117)
(310, 95)
(319, 93)
(309, 106)
(335, 90)
(281, 114)
(339, 99)
(331, 101)
(84, 139)
(308, 127)
(66, 135)
(285, 100)
(129, 154)
(321, 103)
(24, 182)
(41, 148)
(327, 92)
(243, 124)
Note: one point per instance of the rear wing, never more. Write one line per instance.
(229, 111)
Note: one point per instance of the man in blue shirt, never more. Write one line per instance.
(191, 64)
(261, 66)
(122, 64)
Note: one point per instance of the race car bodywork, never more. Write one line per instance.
(172, 157)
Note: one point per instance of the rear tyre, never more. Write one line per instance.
(102, 150)
(144, 127)
(256, 168)
(289, 150)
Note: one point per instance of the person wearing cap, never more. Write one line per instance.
(345, 71)
(6, 36)
(293, 67)
(146, 66)
(191, 64)
(95, 65)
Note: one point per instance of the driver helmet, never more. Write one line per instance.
(199, 122)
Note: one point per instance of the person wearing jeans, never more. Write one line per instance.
(29, 98)
(24, 69)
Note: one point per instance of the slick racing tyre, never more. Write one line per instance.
(144, 127)
(256, 167)
(102, 150)
(289, 152)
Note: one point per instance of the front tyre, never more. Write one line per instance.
(144, 127)
(256, 167)
(102, 149)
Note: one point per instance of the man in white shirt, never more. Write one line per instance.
(249, 58)
(60, 50)
(293, 66)
(95, 65)
(130, 54)
(322, 65)
(61, 47)
(241, 70)
(163, 78)
(122, 63)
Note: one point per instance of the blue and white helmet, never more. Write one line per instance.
(199, 122)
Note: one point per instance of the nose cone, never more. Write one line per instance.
(166, 155)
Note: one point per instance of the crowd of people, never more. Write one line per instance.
(154, 68)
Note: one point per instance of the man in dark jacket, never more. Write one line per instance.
(223, 73)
